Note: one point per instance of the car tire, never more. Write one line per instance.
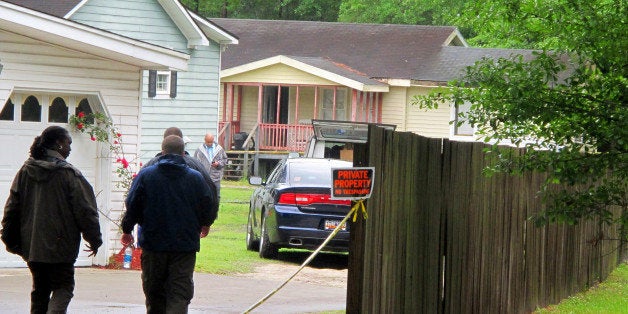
(252, 244)
(266, 249)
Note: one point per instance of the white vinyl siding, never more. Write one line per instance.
(430, 123)
(394, 107)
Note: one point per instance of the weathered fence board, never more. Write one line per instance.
(442, 237)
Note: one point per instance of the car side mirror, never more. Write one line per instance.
(255, 181)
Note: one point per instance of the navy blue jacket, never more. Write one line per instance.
(170, 201)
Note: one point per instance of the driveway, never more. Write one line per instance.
(119, 291)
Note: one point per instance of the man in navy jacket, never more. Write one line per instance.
(173, 205)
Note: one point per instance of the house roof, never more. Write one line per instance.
(193, 27)
(377, 51)
(82, 38)
(58, 8)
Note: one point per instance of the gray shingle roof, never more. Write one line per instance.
(340, 69)
(379, 51)
(58, 8)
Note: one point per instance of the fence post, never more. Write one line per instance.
(355, 273)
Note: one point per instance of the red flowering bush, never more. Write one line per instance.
(101, 129)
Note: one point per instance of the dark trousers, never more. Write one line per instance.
(53, 287)
(167, 280)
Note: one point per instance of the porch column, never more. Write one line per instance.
(239, 112)
(354, 105)
(230, 95)
(225, 86)
(315, 115)
(333, 107)
(380, 97)
(278, 104)
(260, 90)
(296, 111)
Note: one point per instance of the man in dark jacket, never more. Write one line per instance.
(192, 163)
(173, 205)
(49, 206)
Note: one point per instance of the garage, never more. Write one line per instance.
(23, 117)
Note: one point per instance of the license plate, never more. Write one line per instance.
(332, 224)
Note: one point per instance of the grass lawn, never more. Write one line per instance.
(610, 296)
(224, 251)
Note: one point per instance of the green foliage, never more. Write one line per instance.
(428, 12)
(306, 10)
(569, 110)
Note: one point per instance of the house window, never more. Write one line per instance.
(327, 111)
(58, 111)
(162, 84)
(462, 127)
(31, 110)
(85, 108)
(7, 111)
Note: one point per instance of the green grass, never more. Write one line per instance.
(610, 296)
(224, 251)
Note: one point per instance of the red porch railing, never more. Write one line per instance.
(284, 136)
(225, 134)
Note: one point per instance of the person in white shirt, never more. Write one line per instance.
(214, 158)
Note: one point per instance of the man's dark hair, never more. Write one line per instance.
(172, 144)
(173, 131)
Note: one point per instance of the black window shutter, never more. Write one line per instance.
(173, 84)
(152, 83)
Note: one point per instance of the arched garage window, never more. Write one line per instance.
(85, 108)
(31, 110)
(7, 111)
(58, 111)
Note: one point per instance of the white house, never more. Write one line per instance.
(49, 67)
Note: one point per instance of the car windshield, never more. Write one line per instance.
(318, 174)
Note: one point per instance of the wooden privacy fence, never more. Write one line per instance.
(441, 237)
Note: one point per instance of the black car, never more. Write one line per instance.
(294, 209)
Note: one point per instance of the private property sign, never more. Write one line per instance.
(352, 183)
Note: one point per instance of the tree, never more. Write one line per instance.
(568, 108)
(427, 12)
(304, 10)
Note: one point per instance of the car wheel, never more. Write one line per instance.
(252, 244)
(266, 249)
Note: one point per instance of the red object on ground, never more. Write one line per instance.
(118, 259)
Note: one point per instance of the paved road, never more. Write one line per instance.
(119, 291)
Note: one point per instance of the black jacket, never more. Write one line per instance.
(170, 201)
(49, 206)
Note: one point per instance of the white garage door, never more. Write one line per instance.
(24, 116)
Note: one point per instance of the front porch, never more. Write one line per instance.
(261, 122)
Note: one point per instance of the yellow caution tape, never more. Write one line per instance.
(359, 206)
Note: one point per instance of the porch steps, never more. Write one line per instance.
(237, 165)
